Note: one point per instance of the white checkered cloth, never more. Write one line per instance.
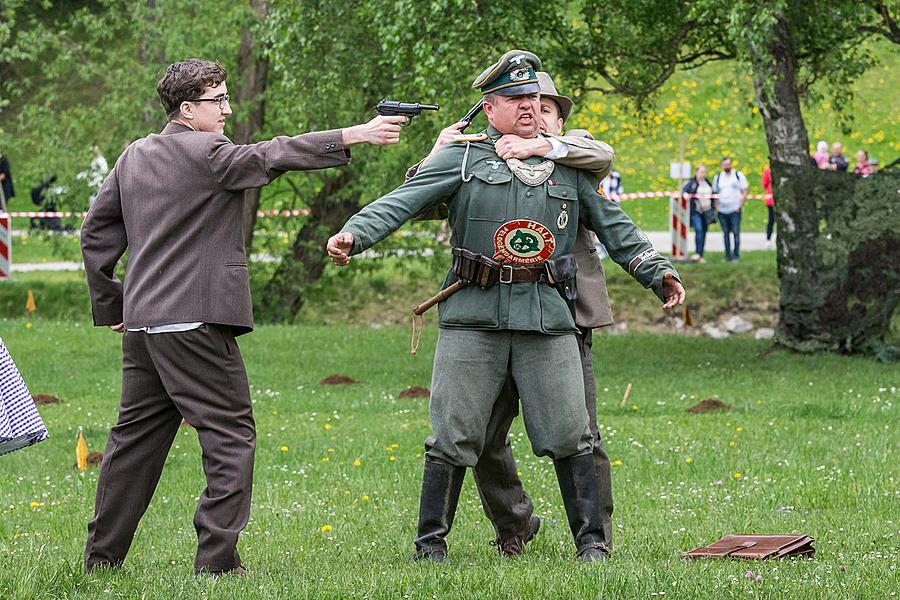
(20, 423)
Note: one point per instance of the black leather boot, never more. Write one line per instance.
(578, 484)
(441, 485)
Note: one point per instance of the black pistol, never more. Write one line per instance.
(393, 108)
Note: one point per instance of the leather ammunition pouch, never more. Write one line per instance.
(475, 268)
(562, 270)
(484, 272)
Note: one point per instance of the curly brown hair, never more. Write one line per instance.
(186, 80)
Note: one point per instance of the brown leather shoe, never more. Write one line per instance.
(515, 545)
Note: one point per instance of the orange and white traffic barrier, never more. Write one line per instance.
(680, 214)
(5, 246)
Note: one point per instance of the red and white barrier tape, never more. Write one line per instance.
(58, 214)
(305, 211)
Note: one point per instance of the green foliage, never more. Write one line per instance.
(75, 75)
(635, 47)
(813, 446)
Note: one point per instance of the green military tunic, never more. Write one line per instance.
(482, 194)
(524, 330)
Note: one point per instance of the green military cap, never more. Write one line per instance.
(548, 90)
(512, 75)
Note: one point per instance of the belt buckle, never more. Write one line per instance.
(506, 269)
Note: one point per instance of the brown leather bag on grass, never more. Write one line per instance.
(759, 547)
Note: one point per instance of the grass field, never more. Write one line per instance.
(383, 292)
(810, 446)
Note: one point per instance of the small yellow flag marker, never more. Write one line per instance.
(81, 452)
(30, 305)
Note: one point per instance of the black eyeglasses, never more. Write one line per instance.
(222, 100)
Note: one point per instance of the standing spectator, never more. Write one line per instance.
(863, 166)
(770, 203)
(821, 156)
(94, 174)
(7, 190)
(837, 162)
(612, 185)
(731, 187)
(699, 192)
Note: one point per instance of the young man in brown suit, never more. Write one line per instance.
(175, 202)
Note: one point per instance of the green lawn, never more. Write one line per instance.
(810, 446)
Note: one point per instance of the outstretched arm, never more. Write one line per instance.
(627, 245)
(437, 182)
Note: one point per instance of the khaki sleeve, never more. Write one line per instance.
(587, 153)
(626, 244)
(245, 166)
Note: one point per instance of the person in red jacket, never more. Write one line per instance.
(770, 203)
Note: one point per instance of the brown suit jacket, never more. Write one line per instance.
(175, 202)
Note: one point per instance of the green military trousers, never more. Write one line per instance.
(470, 368)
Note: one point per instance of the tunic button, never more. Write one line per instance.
(565, 193)
(490, 178)
(528, 194)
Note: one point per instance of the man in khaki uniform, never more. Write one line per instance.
(515, 220)
(505, 501)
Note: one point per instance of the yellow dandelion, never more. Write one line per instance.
(283, 448)
(346, 492)
(519, 473)
(28, 325)
(732, 443)
(634, 407)
(330, 450)
(738, 475)
(365, 498)
(325, 528)
(35, 505)
(617, 462)
(392, 458)
(274, 413)
(357, 462)
(327, 425)
(326, 459)
(739, 429)
(689, 460)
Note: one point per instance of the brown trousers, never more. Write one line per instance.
(197, 375)
(504, 499)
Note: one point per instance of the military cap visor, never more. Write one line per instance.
(513, 75)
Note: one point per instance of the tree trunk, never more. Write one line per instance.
(283, 295)
(253, 72)
(838, 253)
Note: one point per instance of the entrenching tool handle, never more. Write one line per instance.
(445, 293)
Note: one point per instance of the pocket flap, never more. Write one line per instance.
(562, 192)
(493, 177)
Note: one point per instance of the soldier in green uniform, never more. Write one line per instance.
(505, 501)
(520, 326)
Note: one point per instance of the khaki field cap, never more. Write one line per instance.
(548, 90)
(512, 75)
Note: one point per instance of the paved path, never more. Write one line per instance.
(661, 241)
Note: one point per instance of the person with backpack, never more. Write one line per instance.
(698, 191)
(730, 187)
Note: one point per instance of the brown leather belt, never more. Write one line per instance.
(511, 274)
